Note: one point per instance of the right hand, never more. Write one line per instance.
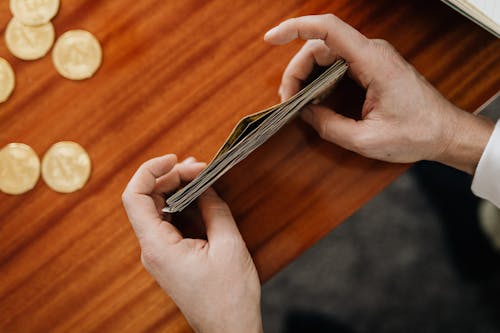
(404, 119)
(214, 282)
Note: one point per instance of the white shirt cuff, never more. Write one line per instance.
(486, 182)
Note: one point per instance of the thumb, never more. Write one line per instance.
(217, 217)
(332, 126)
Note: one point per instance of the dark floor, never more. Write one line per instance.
(411, 260)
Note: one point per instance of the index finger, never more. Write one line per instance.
(137, 199)
(300, 67)
(144, 179)
(347, 41)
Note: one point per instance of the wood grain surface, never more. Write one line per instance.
(176, 77)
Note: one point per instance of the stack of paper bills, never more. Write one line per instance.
(251, 132)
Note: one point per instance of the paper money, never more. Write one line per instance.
(251, 132)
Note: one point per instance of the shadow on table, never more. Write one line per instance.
(448, 191)
(297, 321)
(476, 261)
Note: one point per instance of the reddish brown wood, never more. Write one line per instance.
(176, 77)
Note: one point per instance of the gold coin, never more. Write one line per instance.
(7, 80)
(77, 55)
(66, 167)
(19, 168)
(34, 12)
(29, 43)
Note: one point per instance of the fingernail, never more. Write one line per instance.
(190, 159)
(282, 94)
(307, 114)
(170, 156)
(269, 33)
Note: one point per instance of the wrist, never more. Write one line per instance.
(465, 138)
(243, 321)
(251, 327)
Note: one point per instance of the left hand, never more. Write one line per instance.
(213, 282)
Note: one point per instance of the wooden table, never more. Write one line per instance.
(176, 77)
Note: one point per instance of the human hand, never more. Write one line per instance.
(213, 282)
(404, 119)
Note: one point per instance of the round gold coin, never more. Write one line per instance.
(77, 55)
(29, 43)
(34, 12)
(19, 168)
(66, 167)
(7, 80)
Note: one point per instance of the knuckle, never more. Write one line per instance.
(323, 131)
(395, 66)
(215, 204)
(328, 20)
(323, 128)
(230, 242)
(149, 257)
(381, 42)
(125, 197)
(329, 17)
(220, 209)
(385, 48)
(362, 142)
(315, 44)
(292, 21)
(143, 166)
(356, 142)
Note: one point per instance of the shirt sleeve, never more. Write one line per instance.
(486, 182)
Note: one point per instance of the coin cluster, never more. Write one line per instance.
(7, 80)
(76, 55)
(65, 168)
(30, 35)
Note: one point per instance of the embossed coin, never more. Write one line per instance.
(66, 167)
(29, 43)
(34, 12)
(7, 80)
(77, 55)
(19, 168)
